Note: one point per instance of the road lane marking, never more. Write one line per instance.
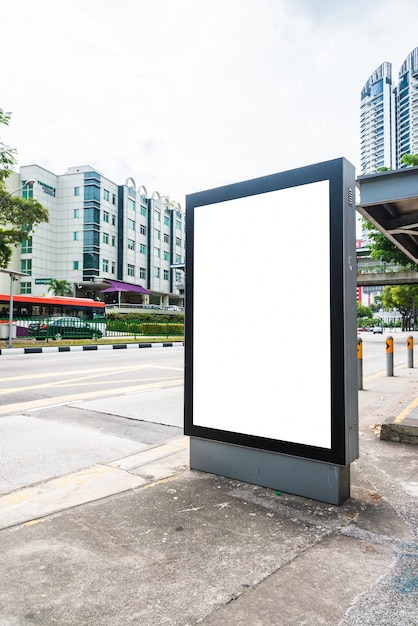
(70, 383)
(86, 395)
(406, 411)
(102, 371)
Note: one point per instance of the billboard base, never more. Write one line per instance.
(302, 477)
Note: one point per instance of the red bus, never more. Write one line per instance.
(50, 306)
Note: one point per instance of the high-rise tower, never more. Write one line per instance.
(389, 116)
(407, 107)
(377, 121)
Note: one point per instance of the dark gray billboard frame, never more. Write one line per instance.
(296, 465)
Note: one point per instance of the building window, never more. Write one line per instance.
(113, 198)
(178, 241)
(166, 238)
(131, 244)
(131, 204)
(113, 267)
(76, 191)
(157, 215)
(26, 266)
(75, 235)
(76, 213)
(166, 255)
(131, 224)
(166, 220)
(113, 240)
(156, 272)
(131, 270)
(105, 194)
(178, 258)
(166, 274)
(142, 272)
(105, 238)
(113, 220)
(105, 265)
(75, 265)
(27, 246)
(25, 288)
(178, 225)
(157, 252)
(143, 210)
(142, 248)
(106, 216)
(143, 229)
(157, 233)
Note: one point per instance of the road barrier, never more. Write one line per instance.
(410, 350)
(360, 363)
(389, 356)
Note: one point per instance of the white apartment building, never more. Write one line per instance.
(99, 231)
(389, 116)
(407, 107)
(377, 117)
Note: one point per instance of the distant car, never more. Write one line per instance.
(63, 328)
(377, 330)
(361, 329)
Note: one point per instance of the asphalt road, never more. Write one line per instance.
(62, 412)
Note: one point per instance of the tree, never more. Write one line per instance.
(18, 216)
(404, 298)
(364, 312)
(60, 287)
(382, 249)
(410, 160)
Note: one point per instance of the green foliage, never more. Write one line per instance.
(404, 298)
(18, 217)
(60, 287)
(7, 154)
(151, 330)
(140, 317)
(148, 329)
(384, 250)
(410, 160)
(364, 312)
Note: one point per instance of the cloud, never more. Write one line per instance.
(186, 95)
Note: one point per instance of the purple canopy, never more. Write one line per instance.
(117, 285)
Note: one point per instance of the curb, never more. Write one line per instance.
(87, 348)
(405, 431)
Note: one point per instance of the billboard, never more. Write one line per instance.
(270, 345)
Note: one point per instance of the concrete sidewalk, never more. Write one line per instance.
(144, 540)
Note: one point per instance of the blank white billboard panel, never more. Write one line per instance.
(265, 309)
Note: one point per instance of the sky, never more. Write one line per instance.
(187, 95)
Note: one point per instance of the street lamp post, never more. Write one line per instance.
(14, 275)
(31, 181)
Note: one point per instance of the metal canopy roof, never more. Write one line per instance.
(389, 200)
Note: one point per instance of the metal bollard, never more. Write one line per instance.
(360, 362)
(410, 349)
(389, 356)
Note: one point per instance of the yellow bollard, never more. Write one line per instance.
(360, 363)
(389, 356)
(410, 349)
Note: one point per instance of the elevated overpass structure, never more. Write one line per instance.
(377, 279)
